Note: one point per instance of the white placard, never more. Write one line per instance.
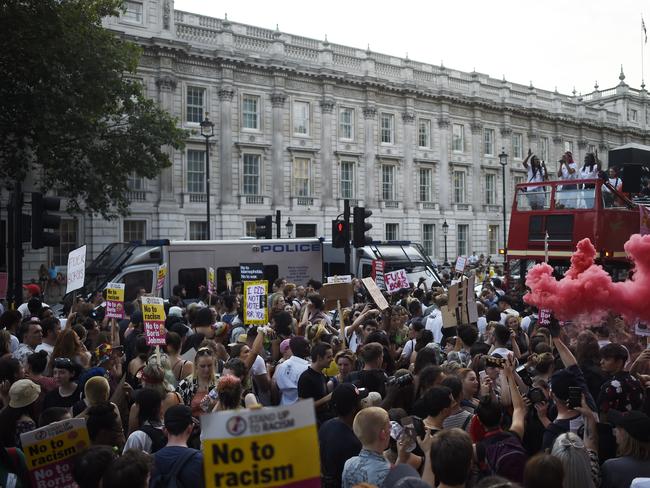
(76, 269)
(340, 279)
(396, 280)
(461, 262)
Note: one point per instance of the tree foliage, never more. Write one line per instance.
(71, 113)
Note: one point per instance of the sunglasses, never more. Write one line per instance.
(62, 363)
(204, 351)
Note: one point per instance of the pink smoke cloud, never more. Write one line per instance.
(587, 292)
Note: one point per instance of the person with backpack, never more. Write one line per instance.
(176, 465)
(150, 436)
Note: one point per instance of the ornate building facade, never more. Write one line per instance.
(301, 124)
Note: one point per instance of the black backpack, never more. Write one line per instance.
(157, 436)
(171, 480)
(504, 457)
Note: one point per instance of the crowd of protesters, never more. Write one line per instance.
(401, 398)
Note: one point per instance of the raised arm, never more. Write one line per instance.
(525, 161)
(518, 405)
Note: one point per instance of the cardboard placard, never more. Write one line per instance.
(449, 317)
(463, 299)
(255, 301)
(50, 452)
(76, 271)
(472, 308)
(251, 271)
(452, 296)
(461, 262)
(396, 281)
(375, 293)
(162, 274)
(331, 292)
(115, 300)
(153, 315)
(339, 279)
(211, 281)
(378, 267)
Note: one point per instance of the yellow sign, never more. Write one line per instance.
(255, 296)
(259, 448)
(162, 273)
(115, 300)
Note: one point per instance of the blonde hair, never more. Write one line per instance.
(97, 390)
(368, 423)
(570, 449)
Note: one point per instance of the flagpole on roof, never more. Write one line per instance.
(644, 40)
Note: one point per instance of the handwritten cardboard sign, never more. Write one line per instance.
(375, 293)
(255, 298)
(396, 281)
(461, 262)
(331, 292)
(340, 279)
(76, 269)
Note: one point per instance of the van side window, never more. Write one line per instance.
(191, 279)
(136, 280)
(271, 273)
(366, 270)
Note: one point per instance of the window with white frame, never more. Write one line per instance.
(426, 183)
(568, 146)
(69, 232)
(347, 179)
(387, 182)
(387, 128)
(133, 11)
(591, 148)
(543, 148)
(493, 239)
(392, 232)
(490, 189)
(301, 118)
(518, 179)
(488, 142)
(134, 182)
(346, 123)
(252, 175)
(462, 234)
(458, 138)
(134, 230)
(302, 177)
(428, 232)
(459, 186)
(198, 230)
(251, 112)
(632, 115)
(195, 104)
(195, 171)
(518, 145)
(424, 133)
(250, 229)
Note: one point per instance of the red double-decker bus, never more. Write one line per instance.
(549, 218)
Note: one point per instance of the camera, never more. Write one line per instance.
(400, 381)
(536, 395)
(525, 376)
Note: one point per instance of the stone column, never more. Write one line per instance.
(228, 190)
(326, 156)
(277, 180)
(166, 87)
(369, 114)
(443, 125)
(409, 141)
(477, 155)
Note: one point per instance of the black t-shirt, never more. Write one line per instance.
(313, 384)
(54, 399)
(337, 444)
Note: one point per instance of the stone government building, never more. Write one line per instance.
(301, 124)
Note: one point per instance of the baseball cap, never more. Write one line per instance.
(178, 417)
(33, 289)
(345, 398)
(635, 423)
(284, 345)
(175, 312)
(22, 393)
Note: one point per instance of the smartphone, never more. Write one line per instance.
(408, 434)
(482, 375)
(575, 397)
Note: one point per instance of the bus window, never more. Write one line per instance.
(567, 196)
(136, 280)
(191, 279)
(534, 198)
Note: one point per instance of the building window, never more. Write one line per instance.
(346, 124)
(591, 148)
(388, 128)
(461, 239)
(198, 231)
(132, 13)
(388, 182)
(195, 97)
(518, 146)
(543, 148)
(426, 179)
(518, 180)
(493, 239)
(392, 232)
(68, 231)
(195, 171)
(251, 112)
(424, 133)
(458, 138)
(428, 231)
(135, 230)
(250, 228)
(490, 189)
(302, 177)
(347, 179)
(568, 146)
(301, 118)
(252, 172)
(134, 182)
(632, 115)
(488, 142)
(459, 186)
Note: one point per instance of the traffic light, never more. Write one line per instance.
(264, 227)
(42, 220)
(340, 234)
(360, 238)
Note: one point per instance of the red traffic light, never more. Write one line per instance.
(339, 227)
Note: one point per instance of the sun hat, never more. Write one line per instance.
(22, 393)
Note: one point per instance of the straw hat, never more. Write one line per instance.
(23, 393)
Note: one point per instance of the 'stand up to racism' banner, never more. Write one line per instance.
(275, 446)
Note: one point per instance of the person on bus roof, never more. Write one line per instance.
(536, 174)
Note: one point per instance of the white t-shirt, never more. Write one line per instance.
(538, 177)
(525, 323)
(501, 351)
(481, 323)
(565, 171)
(258, 367)
(287, 375)
(24, 310)
(409, 347)
(588, 174)
(45, 347)
(434, 324)
(615, 182)
(355, 339)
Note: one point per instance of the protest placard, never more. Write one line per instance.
(544, 317)
(162, 274)
(377, 273)
(396, 281)
(251, 271)
(115, 300)
(339, 279)
(331, 292)
(255, 297)
(4, 284)
(76, 269)
(472, 308)
(51, 450)
(268, 447)
(211, 281)
(153, 315)
(375, 293)
(449, 317)
(461, 262)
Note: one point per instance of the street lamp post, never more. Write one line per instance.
(207, 131)
(445, 230)
(289, 226)
(503, 160)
